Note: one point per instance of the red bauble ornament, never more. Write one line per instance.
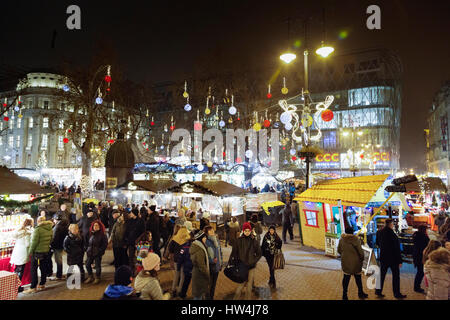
(269, 95)
(303, 159)
(65, 140)
(266, 123)
(147, 149)
(327, 115)
(197, 126)
(143, 143)
(6, 118)
(152, 123)
(239, 119)
(4, 104)
(172, 128)
(108, 78)
(223, 153)
(108, 89)
(69, 131)
(294, 158)
(361, 156)
(19, 102)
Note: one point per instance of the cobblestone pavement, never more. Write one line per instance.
(308, 275)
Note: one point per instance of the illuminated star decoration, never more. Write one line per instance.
(305, 119)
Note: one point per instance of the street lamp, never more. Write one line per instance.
(324, 51)
(288, 57)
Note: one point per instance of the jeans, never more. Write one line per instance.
(419, 276)
(288, 227)
(58, 253)
(178, 279)
(98, 266)
(395, 269)
(249, 283)
(43, 266)
(269, 259)
(346, 281)
(120, 257)
(185, 286)
(213, 280)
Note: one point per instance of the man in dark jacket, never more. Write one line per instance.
(121, 289)
(103, 210)
(420, 241)
(144, 210)
(390, 257)
(247, 250)
(84, 224)
(134, 227)
(152, 225)
(287, 221)
(60, 231)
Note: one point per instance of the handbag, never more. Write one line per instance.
(236, 270)
(278, 260)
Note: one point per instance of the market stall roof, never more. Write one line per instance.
(154, 185)
(413, 187)
(355, 191)
(217, 188)
(434, 184)
(11, 183)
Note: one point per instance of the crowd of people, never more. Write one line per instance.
(141, 239)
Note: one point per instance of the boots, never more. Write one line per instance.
(89, 279)
(97, 280)
(361, 293)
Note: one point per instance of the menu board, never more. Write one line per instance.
(368, 258)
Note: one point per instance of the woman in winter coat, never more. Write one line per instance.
(73, 245)
(271, 245)
(420, 241)
(20, 256)
(215, 259)
(185, 265)
(147, 282)
(118, 243)
(181, 237)
(352, 257)
(234, 230)
(437, 272)
(95, 251)
(200, 266)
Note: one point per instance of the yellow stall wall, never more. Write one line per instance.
(313, 236)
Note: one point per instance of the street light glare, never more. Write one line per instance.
(360, 133)
(288, 57)
(324, 51)
(345, 133)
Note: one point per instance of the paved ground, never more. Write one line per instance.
(308, 275)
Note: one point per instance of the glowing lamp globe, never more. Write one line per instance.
(185, 94)
(288, 57)
(266, 123)
(16, 108)
(187, 107)
(324, 51)
(65, 140)
(207, 111)
(257, 127)
(285, 117)
(276, 125)
(284, 90)
(65, 87)
(99, 100)
(285, 162)
(232, 110)
(249, 153)
(292, 152)
(222, 123)
(162, 147)
(108, 78)
(200, 167)
(209, 164)
(327, 115)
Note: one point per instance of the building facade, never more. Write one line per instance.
(437, 136)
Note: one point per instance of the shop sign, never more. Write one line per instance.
(326, 165)
(187, 188)
(211, 177)
(160, 176)
(381, 156)
(328, 157)
(111, 183)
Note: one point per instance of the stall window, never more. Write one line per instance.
(311, 218)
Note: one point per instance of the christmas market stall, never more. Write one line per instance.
(16, 194)
(328, 207)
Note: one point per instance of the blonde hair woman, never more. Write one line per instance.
(437, 271)
(20, 256)
(73, 245)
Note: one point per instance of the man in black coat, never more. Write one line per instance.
(84, 224)
(420, 240)
(152, 225)
(60, 231)
(144, 210)
(390, 257)
(287, 221)
(134, 227)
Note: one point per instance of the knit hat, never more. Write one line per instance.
(151, 262)
(122, 276)
(272, 226)
(246, 225)
(199, 235)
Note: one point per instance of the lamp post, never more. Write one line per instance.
(288, 57)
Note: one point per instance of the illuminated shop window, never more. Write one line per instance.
(30, 123)
(311, 218)
(45, 123)
(44, 142)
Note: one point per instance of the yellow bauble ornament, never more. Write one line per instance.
(257, 126)
(20, 115)
(284, 90)
(185, 94)
(207, 111)
(209, 164)
(230, 120)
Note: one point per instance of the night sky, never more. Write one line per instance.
(161, 40)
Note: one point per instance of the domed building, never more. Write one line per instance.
(119, 162)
